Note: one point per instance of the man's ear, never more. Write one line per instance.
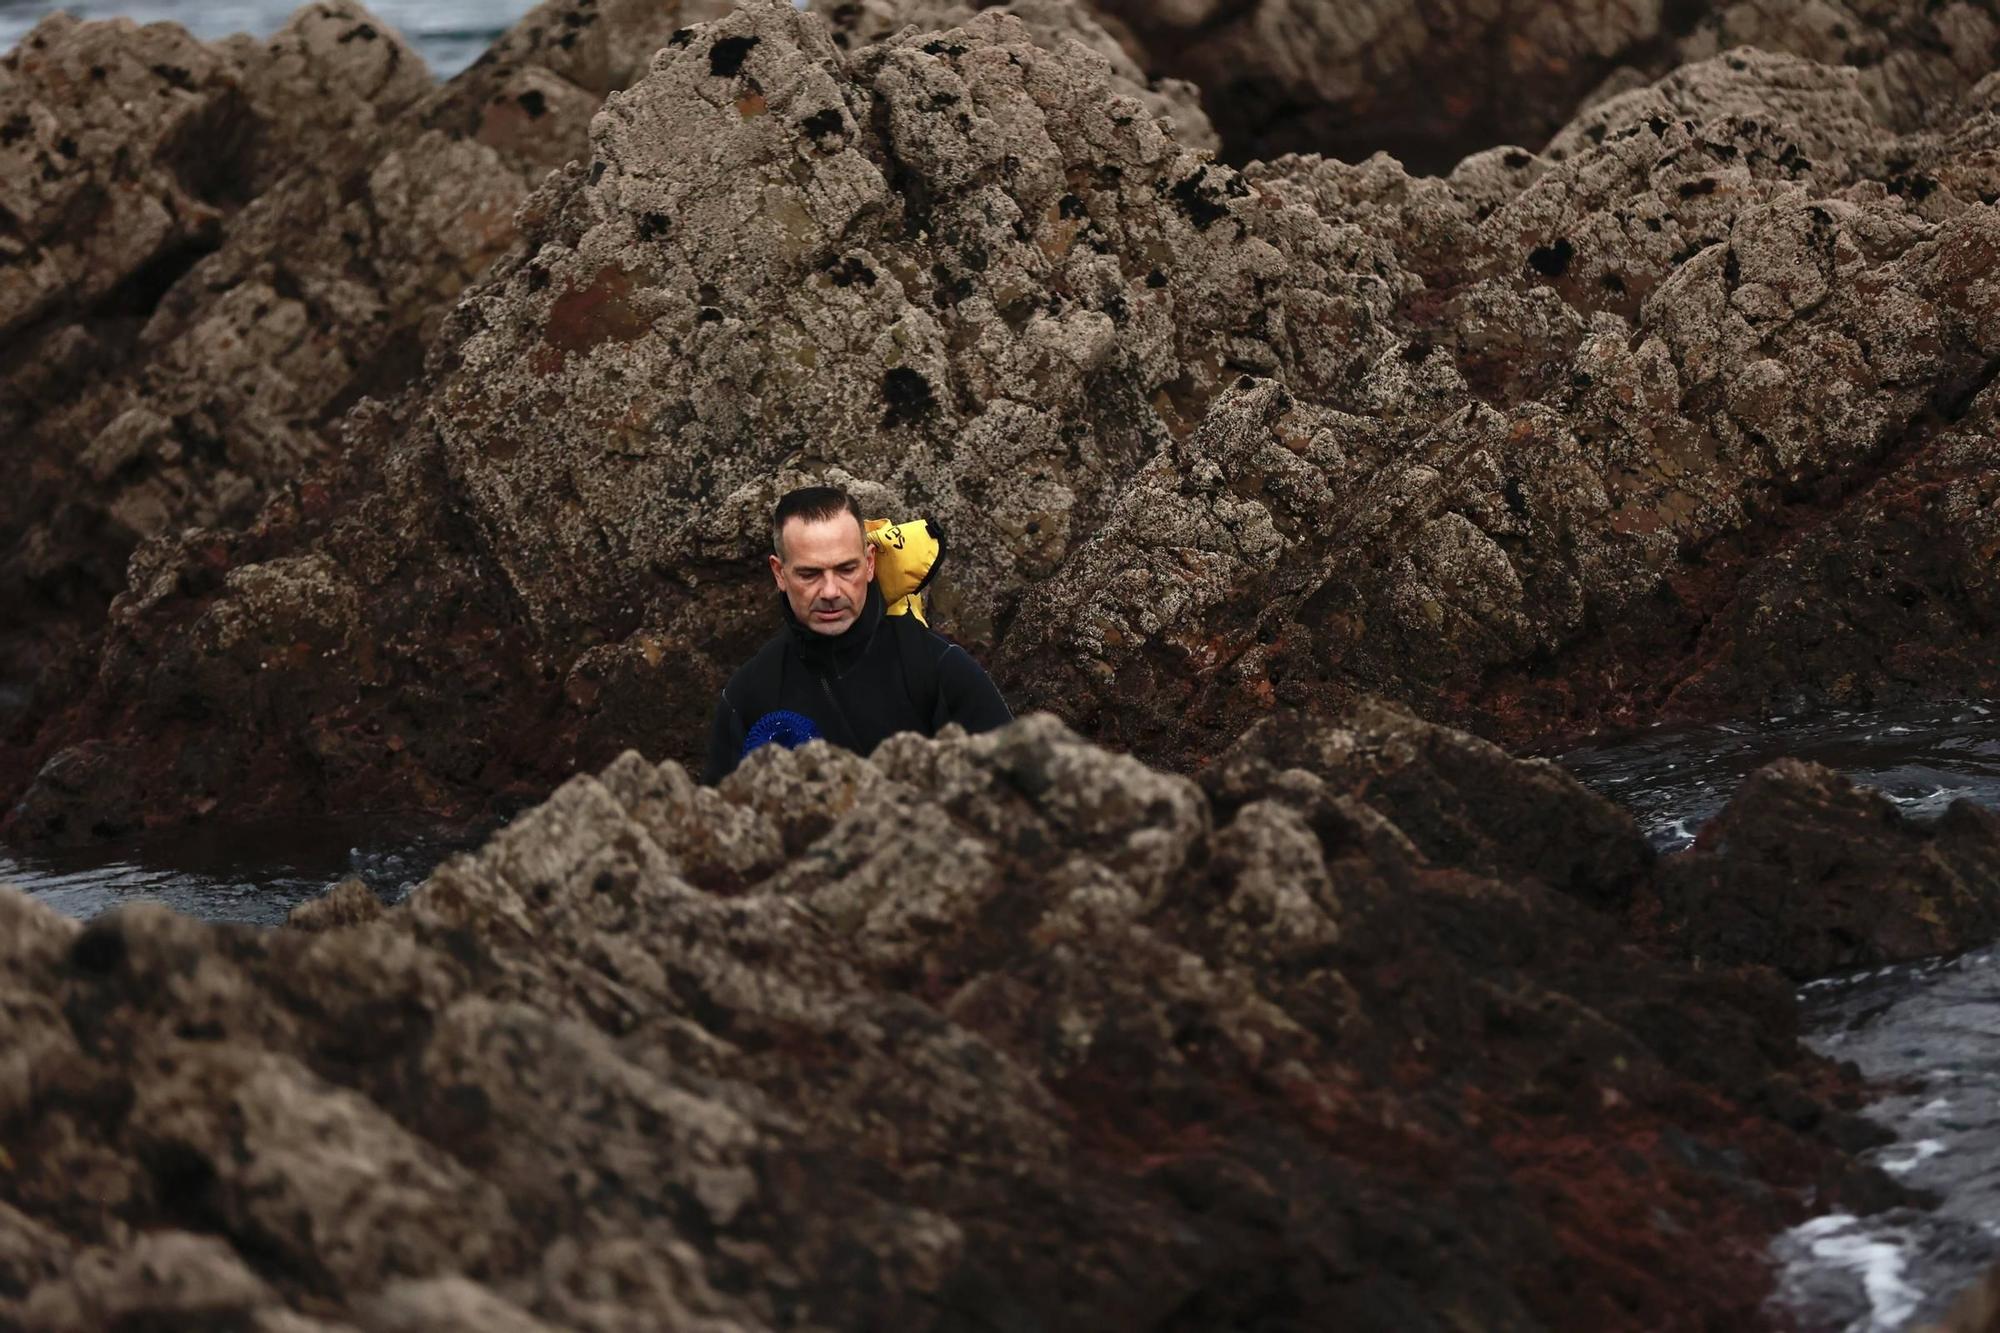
(870, 554)
(778, 572)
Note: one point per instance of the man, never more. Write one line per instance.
(840, 668)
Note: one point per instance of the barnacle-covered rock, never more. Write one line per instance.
(1009, 1023)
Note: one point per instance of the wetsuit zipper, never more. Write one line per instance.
(826, 685)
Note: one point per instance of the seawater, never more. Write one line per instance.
(1675, 779)
(449, 35)
(247, 874)
(1930, 1033)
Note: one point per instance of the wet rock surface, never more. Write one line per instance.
(1807, 873)
(1562, 439)
(1009, 1027)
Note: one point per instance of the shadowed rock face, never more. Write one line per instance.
(1009, 1028)
(1431, 82)
(1805, 872)
(127, 154)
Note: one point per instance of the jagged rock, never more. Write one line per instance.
(127, 147)
(1427, 82)
(1461, 801)
(1051, 23)
(305, 212)
(161, 1278)
(1807, 873)
(1502, 447)
(1433, 82)
(1678, 339)
(129, 153)
(963, 251)
(348, 903)
(1912, 59)
(1895, 595)
(1007, 1024)
(982, 281)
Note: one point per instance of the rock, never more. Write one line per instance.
(1051, 24)
(348, 903)
(1009, 1019)
(1977, 1310)
(1525, 449)
(1911, 59)
(1432, 83)
(162, 1277)
(1804, 872)
(1459, 800)
(1827, 619)
(983, 257)
(127, 148)
(134, 152)
(1428, 83)
(305, 213)
(1531, 549)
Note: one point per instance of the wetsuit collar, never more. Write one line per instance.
(839, 649)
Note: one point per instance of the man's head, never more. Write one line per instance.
(822, 561)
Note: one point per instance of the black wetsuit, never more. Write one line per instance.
(855, 686)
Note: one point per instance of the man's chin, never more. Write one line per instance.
(837, 625)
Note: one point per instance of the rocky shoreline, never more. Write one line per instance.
(390, 446)
(1010, 1029)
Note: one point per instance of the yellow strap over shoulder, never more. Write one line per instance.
(906, 554)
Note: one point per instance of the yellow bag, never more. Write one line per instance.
(906, 556)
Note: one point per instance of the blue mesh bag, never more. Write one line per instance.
(787, 728)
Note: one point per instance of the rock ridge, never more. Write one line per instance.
(1008, 1026)
(1685, 416)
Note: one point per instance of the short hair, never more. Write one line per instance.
(811, 503)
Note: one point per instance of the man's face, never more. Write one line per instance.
(825, 572)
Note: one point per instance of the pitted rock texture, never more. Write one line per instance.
(959, 269)
(302, 216)
(128, 154)
(1805, 872)
(125, 147)
(1005, 1030)
(1432, 82)
(1527, 447)
(1668, 361)
(1050, 23)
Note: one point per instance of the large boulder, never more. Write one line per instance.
(1008, 1029)
(1683, 340)
(1805, 872)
